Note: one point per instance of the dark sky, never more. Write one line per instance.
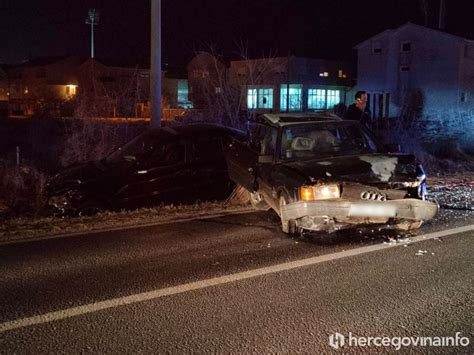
(310, 28)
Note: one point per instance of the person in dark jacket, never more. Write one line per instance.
(358, 111)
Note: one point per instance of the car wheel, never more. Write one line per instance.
(408, 225)
(90, 208)
(258, 201)
(287, 226)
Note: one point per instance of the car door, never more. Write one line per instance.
(161, 176)
(243, 156)
(208, 161)
(241, 159)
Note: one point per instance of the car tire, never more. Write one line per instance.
(90, 208)
(408, 225)
(287, 226)
(258, 201)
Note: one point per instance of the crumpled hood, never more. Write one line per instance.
(369, 168)
(74, 175)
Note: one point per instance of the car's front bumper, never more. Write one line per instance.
(358, 212)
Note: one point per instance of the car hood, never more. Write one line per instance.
(76, 175)
(371, 168)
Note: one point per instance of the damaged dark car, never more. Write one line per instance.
(176, 165)
(321, 173)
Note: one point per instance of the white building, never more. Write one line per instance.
(416, 68)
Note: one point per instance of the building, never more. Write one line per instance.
(292, 83)
(175, 88)
(105, 88)
(113, 89)
(274, 84)
(207, 76)
(416, 70)
(40, 84)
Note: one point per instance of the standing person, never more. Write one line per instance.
(358, 111)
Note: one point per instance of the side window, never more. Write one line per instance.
(207, 148)
(263, 139)
(167, 154)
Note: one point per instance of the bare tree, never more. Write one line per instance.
(224, 91)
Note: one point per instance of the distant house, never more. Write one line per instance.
(416, 70)
(40, 83)
(107, 88)
(206, 75)
(276, 84)
(114, 89)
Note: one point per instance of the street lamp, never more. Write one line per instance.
(93, 20)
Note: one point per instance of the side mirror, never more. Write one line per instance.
(392, 148)
(265, 159)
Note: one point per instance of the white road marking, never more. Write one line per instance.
(152, 295)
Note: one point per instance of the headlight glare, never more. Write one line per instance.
(319, 192)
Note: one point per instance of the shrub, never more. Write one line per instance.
(23, 189)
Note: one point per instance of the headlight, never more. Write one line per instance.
(319, 192)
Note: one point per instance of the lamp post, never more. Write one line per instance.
(155, 61)
(93, 20)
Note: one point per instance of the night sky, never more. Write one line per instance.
(327, 29)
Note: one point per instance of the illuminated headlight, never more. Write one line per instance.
(410, 184)
(319, 192)
(58, 201)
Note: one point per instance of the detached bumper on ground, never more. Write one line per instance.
(323, 215)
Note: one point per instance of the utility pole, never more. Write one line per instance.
(93, 20)
(155, 61)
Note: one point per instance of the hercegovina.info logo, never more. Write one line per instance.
(338, 340)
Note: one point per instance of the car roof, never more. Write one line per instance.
(285, 119)
(195, 129)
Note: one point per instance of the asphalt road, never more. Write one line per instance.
(234, 284)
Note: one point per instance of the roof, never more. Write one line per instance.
(284, 119)
(390, 31)
(42, 61)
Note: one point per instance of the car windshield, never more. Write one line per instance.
(325, 139)
(134, 149)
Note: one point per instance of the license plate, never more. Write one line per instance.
(372, 210)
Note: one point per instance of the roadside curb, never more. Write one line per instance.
(125, 227)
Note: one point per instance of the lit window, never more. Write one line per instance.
(333, 98)
(71, 90)
(316, 99)
(295, 97)
(183, 91)
(326, 73)
(218, 90)
(406, 46)
(265, 98)
(26, 90)
(340, 73)
(251, 99)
